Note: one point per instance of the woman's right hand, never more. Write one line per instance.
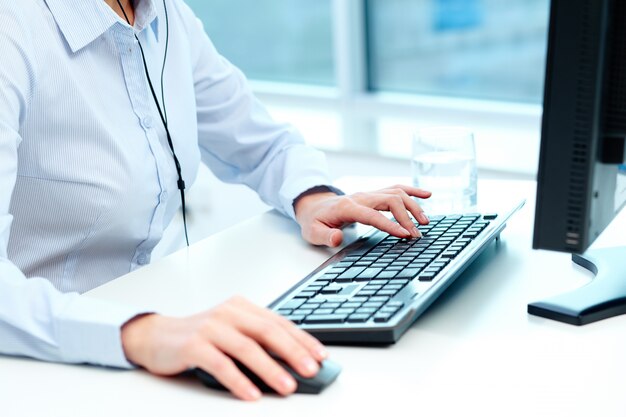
(235, 329)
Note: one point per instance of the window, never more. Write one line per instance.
(487, 49)
(372, 71)
(273, 40)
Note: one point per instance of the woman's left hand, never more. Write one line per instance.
(322, 215)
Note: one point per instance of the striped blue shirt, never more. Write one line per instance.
(87, 180)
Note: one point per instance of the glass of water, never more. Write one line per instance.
(444, 162)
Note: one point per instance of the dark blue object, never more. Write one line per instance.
(327, 374)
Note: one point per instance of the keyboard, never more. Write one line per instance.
(372, 290)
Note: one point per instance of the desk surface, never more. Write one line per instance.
(475, 351)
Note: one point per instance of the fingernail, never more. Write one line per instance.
(403, 231)
(310, 365)
(423, 218)
(321, 353)
(416, 233)
(287, 383)
(254, 393)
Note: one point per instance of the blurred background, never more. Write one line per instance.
(358, 77)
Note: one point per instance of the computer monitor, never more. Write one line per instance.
(580, 183)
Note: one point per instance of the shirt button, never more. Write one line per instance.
(142, 259)
(147, 122)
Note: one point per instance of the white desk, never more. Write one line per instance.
(474, 352)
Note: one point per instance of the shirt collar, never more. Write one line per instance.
(83, 21)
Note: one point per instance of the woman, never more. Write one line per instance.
(107, 108)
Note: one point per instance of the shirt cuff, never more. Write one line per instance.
(90, 331)
(295, 189)
(316, 190)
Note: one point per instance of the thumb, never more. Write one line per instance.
(320, 234)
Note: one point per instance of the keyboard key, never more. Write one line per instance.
(352, 272)
(292, 304)
(398, 304)
(369, 273)
(303, 311)
(285, 311)
(389, 293)
(305, 294)
(335, 270)
(379, 298)
(358, 318)
(366, 293)
(332, 289)
(393, 287)
(427, 276)
(395, 267)
(408, 273)
(332, 305)
(351, 304)
(344, 311)
(387, 274)
(373, 287)
(382, 317)
(366, 310)
(373, 304)
(325, 318)
(296, 318)
(324, 310)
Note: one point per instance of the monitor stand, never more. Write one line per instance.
(602, 298)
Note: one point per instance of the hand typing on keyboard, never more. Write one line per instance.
(322, 215)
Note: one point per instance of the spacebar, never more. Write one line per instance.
(325, 318)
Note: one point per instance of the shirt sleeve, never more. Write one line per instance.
(239, 140)
(36, 320)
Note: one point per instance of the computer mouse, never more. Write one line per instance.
(328, 372)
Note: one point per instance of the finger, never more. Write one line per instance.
(314, 346)
(399, 211)
(210, 359)
(267, 331)
(320, 234)
(411, 205)
(390, 201)
(366, 215)
(255, 358)
(412, 191)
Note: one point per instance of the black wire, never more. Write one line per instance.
(163, 114)
(167, 42)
